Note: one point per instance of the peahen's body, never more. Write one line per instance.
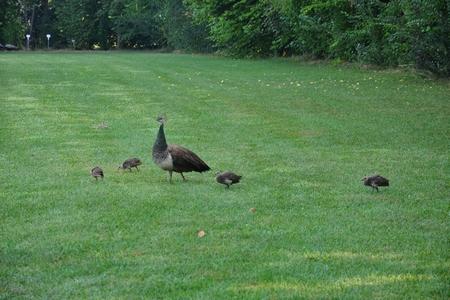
(174, 158)
(131, 163)
(375, 181)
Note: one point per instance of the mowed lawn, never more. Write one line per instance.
(302, 135)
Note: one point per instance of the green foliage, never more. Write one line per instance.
(316, 25)
(181, 31)
(312, 37)
(244, 28)
(387, 33)
(427, 23)
(381, 34)
(85, 21)
(138, 23)
(45, 22)
(11, 28)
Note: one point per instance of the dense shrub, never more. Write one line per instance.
(11, 27)
(181, 31)
(244, 28)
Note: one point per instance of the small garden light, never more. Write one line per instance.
(48, 40)
(28, 41)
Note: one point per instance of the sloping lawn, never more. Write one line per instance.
(302, 135)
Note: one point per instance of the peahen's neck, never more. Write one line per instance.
(160, 144)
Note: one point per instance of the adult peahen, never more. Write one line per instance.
(174, 158)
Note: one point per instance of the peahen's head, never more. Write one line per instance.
(161, 119)
(365, 180)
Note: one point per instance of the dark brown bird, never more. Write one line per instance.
(375, 181)
(97, 172)
(227, 178)
(131, 163)
(174, 158)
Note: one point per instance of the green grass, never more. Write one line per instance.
(302, 135)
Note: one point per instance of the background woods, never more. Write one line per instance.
(381, 32)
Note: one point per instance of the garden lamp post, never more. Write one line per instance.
(48, 40)
(28, 41)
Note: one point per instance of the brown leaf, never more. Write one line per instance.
(201, 233)
(252, 209)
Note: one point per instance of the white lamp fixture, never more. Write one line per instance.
(48, 40)
(28, 41)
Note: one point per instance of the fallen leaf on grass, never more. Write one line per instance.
(201, 233)
(252, 209)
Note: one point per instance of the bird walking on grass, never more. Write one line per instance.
(227, 178)
(131, 163)
(375, 181)
(97, 172)
(175, 158)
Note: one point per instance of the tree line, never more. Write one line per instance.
(380, 32)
